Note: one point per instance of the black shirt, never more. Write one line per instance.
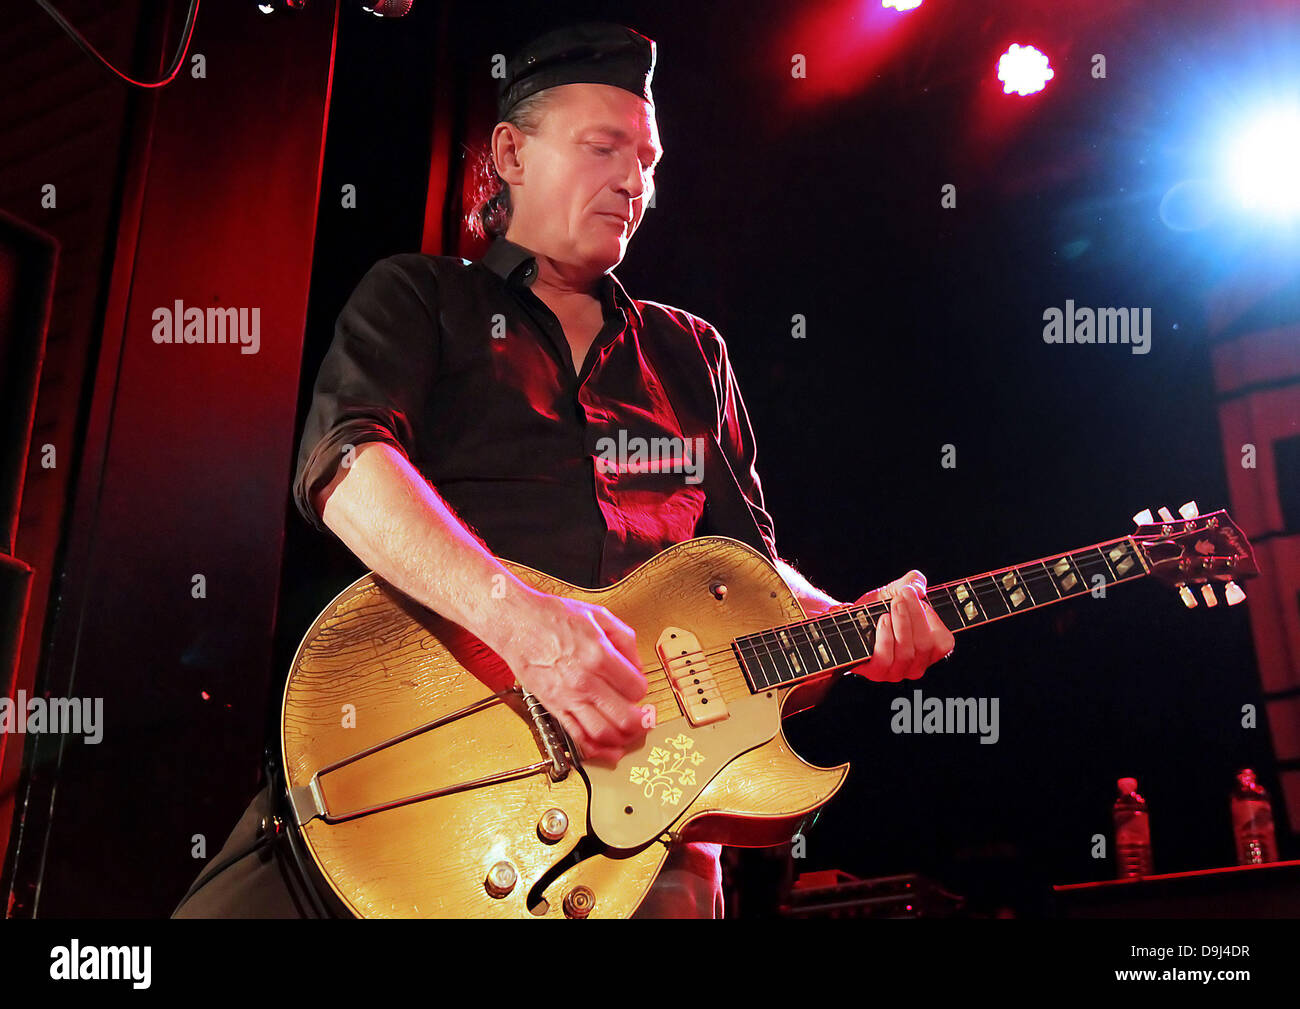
(468, 373)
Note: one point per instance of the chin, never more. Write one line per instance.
(609, 253)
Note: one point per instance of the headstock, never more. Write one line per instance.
(1196, 550)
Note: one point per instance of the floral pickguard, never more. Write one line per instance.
(669, 769)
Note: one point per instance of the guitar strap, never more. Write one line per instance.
(687, 382)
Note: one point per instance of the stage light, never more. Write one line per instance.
(901, 5)
(1024, 70)
(1263, 163)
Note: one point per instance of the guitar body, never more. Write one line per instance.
(376, 667)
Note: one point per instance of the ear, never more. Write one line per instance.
(507, 152)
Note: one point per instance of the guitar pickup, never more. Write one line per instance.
(688, 671)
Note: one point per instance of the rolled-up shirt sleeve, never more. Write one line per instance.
(374, 382)
(736, 434)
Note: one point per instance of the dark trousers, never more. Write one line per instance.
(263, 882)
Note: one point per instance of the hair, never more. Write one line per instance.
(490, 213)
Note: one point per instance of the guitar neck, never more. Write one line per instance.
(845, 637)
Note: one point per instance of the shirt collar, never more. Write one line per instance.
(518, 267)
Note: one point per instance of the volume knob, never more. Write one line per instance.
(553, 825)
(501, 879)
(578, 902)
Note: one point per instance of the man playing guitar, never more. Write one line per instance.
(456, 417)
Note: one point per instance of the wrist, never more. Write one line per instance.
(511, 607)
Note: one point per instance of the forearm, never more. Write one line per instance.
(812, 599)
(814, 602)
(398, 526)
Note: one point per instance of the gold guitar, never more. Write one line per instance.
(423, 782)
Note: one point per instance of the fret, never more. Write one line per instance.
(1123, 559)
(749, 662)
(1132, 546)
(992, 598)
(1013, 585)
(766, 664)
(945, 608)
(788, 641)
(823, 644)
(765, 660)
(858, 621)
(844, 638)
(1110, 568)
(1067, 576)
(848, 623)
(782, 669)
(841, 651)
(969, 605)
(1039, 579)
(1091, 564)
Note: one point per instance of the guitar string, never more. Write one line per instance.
(1033, 575)
(878, 609)
(984, 583)
(731, 673)
(981, 583)
(832, 621)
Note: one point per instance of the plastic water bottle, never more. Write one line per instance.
(1132, 832)
(1252, 821)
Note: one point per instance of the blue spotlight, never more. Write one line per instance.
(1263, 163)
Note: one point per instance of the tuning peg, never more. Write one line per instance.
(1207, 593)
(1189, 600)
(1189, 510)
(1144, 517)
(1233, 593)
(1165, 514)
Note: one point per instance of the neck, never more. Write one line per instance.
(845, 637)
(557, 279)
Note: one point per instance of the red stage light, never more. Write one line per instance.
(1024, 70)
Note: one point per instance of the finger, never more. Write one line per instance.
(623, 678)
(931, 638)
(614, 668)
(944, 642)
(882, 651)
(595, 730)
(887, 592)
(620, 635)
(593, 753)
(913, 579)
(929, 632)
(905, 611)
(625, 717)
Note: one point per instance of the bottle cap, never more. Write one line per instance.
(1127, 786)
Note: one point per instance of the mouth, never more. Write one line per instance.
(623, 221)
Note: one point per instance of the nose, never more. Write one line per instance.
(634, 183)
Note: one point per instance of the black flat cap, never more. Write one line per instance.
(589, 53)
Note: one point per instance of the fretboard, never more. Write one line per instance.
(846, 637)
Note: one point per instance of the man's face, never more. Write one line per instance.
(585, 177)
